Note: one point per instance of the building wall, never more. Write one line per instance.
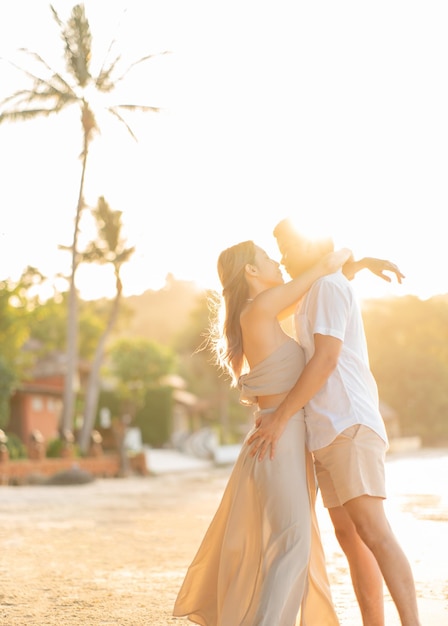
(35, 411)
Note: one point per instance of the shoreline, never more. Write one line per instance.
(114, 552)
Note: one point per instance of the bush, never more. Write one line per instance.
(16, 447)
(155, 418)
(55, 446)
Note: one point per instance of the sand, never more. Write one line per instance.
(113, 552)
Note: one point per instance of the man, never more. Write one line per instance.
(345, 430)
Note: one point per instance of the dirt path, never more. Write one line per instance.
(113, 552)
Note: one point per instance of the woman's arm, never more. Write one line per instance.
(376, 266)
(278, 299)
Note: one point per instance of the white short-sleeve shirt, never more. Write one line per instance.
(350, 395)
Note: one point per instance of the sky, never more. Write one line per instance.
(334, 114)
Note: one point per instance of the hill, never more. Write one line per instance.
(160, 314)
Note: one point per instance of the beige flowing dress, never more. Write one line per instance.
(261, 561)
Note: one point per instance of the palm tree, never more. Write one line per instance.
(108, 248)
(50, 93)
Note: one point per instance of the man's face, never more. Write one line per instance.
(299, 253)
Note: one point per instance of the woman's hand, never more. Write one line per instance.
(379, 266)
(267, 432)
(376, 266)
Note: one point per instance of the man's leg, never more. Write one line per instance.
(368, 515)
(364, 570)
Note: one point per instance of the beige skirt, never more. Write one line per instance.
(261, 561)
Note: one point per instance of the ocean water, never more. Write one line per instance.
(417, 509)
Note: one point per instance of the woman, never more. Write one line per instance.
(261, 560)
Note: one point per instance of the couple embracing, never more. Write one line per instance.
(317, 423)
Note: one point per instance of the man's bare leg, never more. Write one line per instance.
(373, 527)
(365, 573)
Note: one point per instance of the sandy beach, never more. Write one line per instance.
(113, 552)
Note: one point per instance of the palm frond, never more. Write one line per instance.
(55, 75)
(41, 93)
(60, 99)
(138, 107)
(78, 43)
(141, 60)
(17, 95)
(21, 101)
(15, 116)
(104, 81)
(124, 256)
(104, 74)
(56, 17)
(65, 249)
(92, 253)
(112, 111)
(62, 28)
(38, 81)
(44, 90)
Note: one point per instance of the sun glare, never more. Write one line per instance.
(274, 127)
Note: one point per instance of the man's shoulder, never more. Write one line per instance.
(337, 279)
(331, 288)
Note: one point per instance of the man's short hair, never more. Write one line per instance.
(285, 229)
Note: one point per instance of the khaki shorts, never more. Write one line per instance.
(351, 466)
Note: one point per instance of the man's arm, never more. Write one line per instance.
(315, 374)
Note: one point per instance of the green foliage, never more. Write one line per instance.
(47, 324)
(198, 367)
(137, 366)
(13, 320)
(407, 340)
(197, 364)
(140, 363)
(109, 245)
(92, 319)
(408, 348)
(48, 93)
(7, 384)
(16, 448)
(111, 400)
(155, 417)
(55, 447)
(17, 302)
(78, 43)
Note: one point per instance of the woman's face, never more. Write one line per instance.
(269, 270)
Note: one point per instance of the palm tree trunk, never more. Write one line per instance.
(71, 371)
(93, 387)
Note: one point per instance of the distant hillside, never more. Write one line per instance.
(160, 315)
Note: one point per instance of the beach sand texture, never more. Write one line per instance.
(114, 552)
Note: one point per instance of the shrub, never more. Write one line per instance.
(55, 446)
(16, 447)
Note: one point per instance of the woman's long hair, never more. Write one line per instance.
(227, 340)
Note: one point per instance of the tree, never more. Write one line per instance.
(408, 349)
(137, 366)
(51, 93)
(199, 368)
(47, 325)
(109, 247)
(16, 302)
(7, 384)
